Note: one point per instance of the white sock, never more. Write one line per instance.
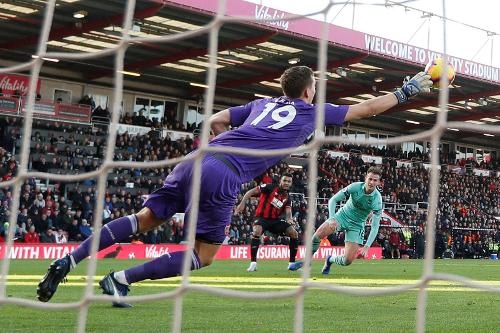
(120, 277)
(133, 223)
(72, 262)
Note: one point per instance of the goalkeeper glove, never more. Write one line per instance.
(412, 87)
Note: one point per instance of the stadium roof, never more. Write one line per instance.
(251, 57)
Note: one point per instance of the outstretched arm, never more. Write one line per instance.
(419, 83)
(371, 107)
(250, 193)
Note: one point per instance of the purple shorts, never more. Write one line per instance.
(219, 188)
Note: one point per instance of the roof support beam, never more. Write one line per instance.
(26, 20)
(434, 102)
(364, 90)
(476, 116)
(275, 74)
(343, 62)
(191, 53)
(473, 115)
(71, 30)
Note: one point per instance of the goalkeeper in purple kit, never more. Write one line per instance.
(264, 124)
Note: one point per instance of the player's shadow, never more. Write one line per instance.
(113, 254)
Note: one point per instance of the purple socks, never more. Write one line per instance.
(115, 231)
(118, 230)
(167, 265)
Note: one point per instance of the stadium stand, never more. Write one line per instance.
(466, 224)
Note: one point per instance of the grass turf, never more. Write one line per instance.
(451, 307)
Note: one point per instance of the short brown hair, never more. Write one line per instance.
(295, 79)
(375, 170)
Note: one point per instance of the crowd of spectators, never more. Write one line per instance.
(62, 212)
(168, 122)
(392, 153)
(138, 118)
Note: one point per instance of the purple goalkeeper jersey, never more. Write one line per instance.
(271, 123)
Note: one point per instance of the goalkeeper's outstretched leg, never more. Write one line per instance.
(216, 205)
(116, 231)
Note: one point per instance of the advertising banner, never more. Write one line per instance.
(428, 166)
(73, 112)
(9, 104)
(10, 83)
(133, 129)
(351, 39)
(371, 159)
(150, 251)
(176, 135)
(338, 154)
(406, 164)
(482, 172)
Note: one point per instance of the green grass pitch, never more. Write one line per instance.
(451, 307)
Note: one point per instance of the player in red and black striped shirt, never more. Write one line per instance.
(273, 202)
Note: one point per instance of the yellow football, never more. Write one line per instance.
(435, 69)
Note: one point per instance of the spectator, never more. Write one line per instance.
(395, 241)
(419, 244)
(32, 236)
(84, 229)
(74, 232)
(48, 236)
(61, 237)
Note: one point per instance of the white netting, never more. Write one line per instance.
(108, 164)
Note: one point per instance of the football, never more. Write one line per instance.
(435, 69)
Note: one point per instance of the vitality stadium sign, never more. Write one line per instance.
(275, 19)
(271, 16)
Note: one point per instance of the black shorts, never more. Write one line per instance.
(277, 226)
